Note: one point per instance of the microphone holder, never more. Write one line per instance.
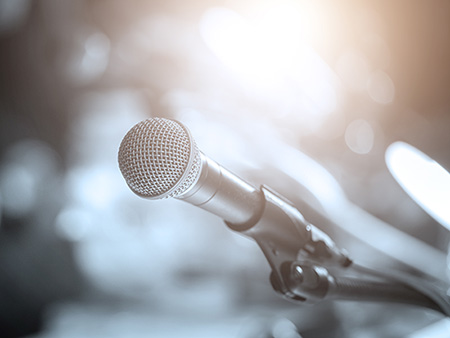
(307, 265)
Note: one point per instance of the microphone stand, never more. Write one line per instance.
(308, 267)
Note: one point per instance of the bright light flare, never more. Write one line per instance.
(240, 46)
(425, 181)
(265, 46)
(268, 51)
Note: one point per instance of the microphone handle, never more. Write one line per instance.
(224, 194)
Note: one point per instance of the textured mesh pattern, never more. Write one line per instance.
(159, 159)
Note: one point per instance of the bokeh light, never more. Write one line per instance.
(425, 180)
(360, 136)
(31, 165)
(353, 68)
(381, 88)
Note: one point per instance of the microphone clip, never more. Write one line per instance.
(301, 257)
(285, 237)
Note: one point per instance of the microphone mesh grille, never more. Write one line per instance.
(158, 158)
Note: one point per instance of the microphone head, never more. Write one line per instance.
(158, 159)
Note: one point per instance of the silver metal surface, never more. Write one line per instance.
(158, 159)
(224, 194)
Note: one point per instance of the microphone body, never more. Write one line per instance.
(224, 194)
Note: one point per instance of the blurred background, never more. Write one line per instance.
(303, 96)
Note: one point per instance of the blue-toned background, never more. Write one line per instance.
(302, 96)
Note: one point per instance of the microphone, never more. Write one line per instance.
(159, 159)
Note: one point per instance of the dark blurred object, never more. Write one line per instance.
(36, 268)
